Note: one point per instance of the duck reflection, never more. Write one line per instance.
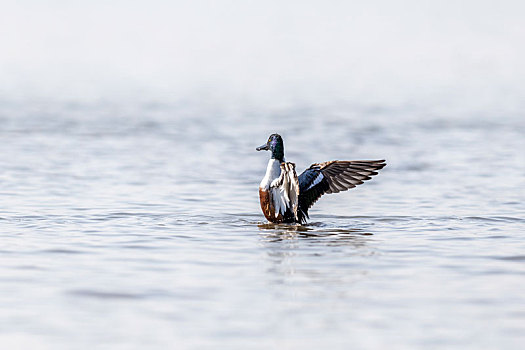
(315, 256)
(344, 236)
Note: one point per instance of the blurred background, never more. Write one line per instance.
(466, 55)
(130, 218)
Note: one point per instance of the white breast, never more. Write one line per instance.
(272, 172)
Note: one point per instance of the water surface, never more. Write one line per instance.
(139, 227)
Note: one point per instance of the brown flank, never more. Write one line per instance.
(268, 208)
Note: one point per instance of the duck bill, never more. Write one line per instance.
(263, 148)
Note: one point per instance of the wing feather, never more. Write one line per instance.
(333, 177)
(285, 192)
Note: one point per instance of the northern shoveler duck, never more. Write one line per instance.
(286, 197)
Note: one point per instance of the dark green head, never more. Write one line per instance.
(274, 144)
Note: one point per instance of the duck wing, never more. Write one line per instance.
(285, 193)
(332, 177)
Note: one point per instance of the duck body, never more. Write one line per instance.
(286, 197)
(278, 192)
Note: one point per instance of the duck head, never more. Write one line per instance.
(274, 144)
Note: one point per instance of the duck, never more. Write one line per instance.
(286, 197)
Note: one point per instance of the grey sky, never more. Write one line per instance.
(382, 50)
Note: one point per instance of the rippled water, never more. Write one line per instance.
(139, 227)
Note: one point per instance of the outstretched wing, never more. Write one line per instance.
(332, 177)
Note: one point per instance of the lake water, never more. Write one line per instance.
(137, 226)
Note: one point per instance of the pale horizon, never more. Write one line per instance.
(235, 52)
